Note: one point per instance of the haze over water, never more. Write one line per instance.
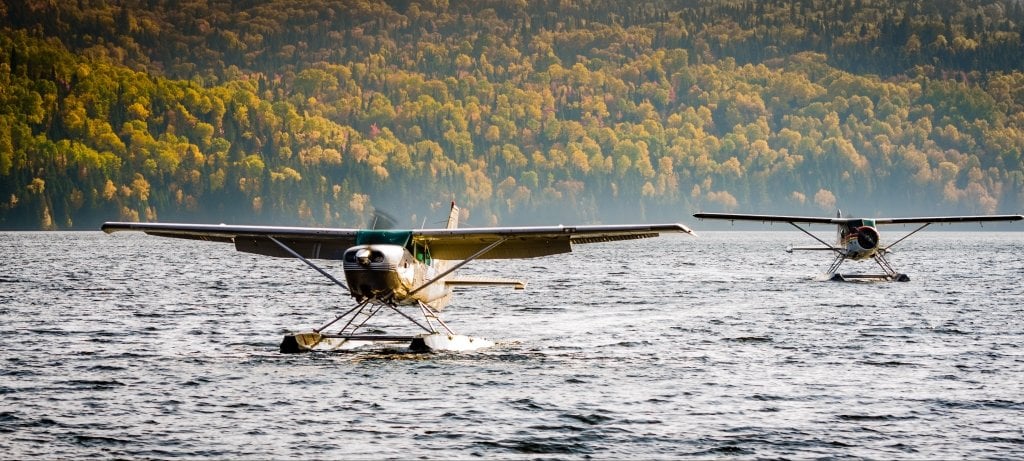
(722, 346)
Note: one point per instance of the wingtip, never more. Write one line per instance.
(110, 227)
(687, 229)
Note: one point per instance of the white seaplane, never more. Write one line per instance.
(858, 238)
(399, 270)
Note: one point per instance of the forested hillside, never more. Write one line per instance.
(316, 112)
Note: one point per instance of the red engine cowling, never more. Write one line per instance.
(867, 237)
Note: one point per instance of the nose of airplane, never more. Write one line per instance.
(363, 256)
(867, 237)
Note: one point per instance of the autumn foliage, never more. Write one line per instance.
(316, 112)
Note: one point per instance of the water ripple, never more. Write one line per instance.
(130, 346)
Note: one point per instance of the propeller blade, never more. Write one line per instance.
(382, 220)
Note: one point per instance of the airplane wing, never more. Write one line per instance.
(529, 242)
(450, 244)
(817, 220)
(770, 218)
(949, 219)
(310, 242)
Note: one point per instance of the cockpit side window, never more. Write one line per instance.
(422, 253)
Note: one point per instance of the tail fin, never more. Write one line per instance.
(453, 217)
(839, 228)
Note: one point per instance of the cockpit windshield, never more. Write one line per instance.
(402, 238)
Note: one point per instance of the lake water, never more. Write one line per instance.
(720, 346)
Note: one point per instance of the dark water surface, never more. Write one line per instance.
(722, 346)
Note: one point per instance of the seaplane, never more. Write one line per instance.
(858, 239)
(408, 272)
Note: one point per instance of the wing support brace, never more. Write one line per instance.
(308, 262)
(359, 307)
(459, 265)
(905, 236)
(815, 237)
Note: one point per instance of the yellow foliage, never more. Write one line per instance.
(825, 199)
(358, 203)
(46, 220)
(138, 112)
(647, 190)
(37, 186)
(731, 168)
(128, 214)
(579, 161)
(285, 174)
(723, 199)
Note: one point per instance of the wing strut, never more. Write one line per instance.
(358, 307)
(308, 262)
(460, 264)
(905, 237)
(815, 237)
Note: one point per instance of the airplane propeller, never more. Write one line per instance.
(867, 237)
(382, 220)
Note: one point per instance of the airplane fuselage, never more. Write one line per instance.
(391, 274)
(859, 239)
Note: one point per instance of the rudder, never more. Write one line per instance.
(453, 217)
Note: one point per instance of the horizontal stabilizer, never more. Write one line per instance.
(485, 281)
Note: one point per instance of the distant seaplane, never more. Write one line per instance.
(858, 238)
(399, 270)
